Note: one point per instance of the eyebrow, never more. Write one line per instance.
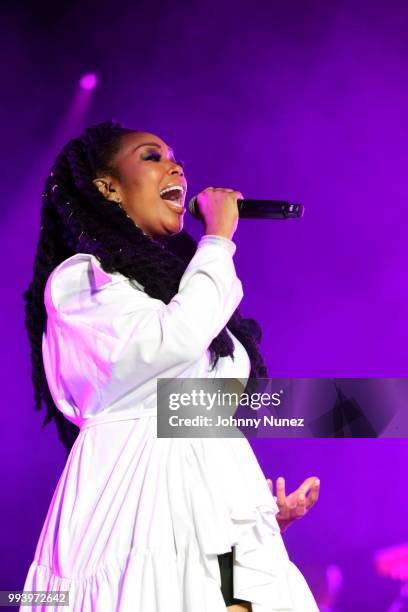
(153, 144)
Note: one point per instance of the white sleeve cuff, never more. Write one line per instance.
(219, 240)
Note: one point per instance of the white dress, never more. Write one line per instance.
(136, 522)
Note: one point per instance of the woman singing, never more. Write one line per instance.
(122, 295)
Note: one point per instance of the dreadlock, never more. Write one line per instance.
(77, 218)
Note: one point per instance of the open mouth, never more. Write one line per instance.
(174, 196)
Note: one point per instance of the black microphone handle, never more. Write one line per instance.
(259, 209)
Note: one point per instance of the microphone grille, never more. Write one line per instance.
(192, 207)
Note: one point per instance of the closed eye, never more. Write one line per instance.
(157, 157)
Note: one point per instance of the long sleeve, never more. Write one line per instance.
(106, 336)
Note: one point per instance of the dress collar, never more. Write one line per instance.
(101, 278)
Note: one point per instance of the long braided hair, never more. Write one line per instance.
(77, 218)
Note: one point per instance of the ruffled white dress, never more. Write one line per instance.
(136, 522)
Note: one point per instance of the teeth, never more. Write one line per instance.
(172, 188)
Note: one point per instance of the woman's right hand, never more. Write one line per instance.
(219, 210)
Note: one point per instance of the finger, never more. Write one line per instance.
(270, 485)
(237, 194)
(308, 483)
(280, 492)
(301, 503)
(314, 494)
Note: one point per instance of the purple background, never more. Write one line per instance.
(301, 100)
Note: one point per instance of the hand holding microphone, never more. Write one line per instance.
(218, 209)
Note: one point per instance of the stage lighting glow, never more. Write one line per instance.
(89, 81)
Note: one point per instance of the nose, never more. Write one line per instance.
(176, 168)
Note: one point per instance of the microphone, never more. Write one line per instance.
(258, 209)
